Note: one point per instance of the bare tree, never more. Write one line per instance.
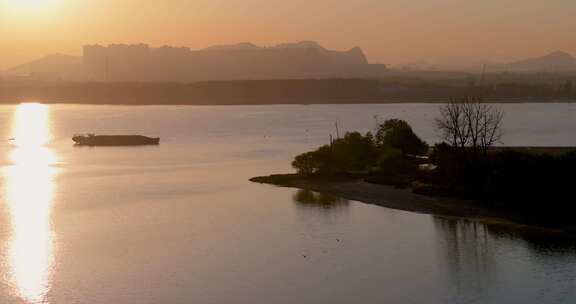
(452, 124)
(468, 123)
(490, 131)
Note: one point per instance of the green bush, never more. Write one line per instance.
(398, 134)
(388, 152)
(353, 152)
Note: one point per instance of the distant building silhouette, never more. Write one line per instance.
(244, 61)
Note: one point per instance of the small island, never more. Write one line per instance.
(467, 175)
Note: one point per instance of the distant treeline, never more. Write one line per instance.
(325, 91)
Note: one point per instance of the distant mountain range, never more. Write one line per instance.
(554, 62)
(247, 46)
(420, 65)
(243, 61)
(56, 66)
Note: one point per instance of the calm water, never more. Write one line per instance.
(180, 223)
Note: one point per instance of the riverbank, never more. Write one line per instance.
(261, 92)
(121, 100)
(357, 189)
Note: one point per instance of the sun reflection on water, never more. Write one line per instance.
(30, 191)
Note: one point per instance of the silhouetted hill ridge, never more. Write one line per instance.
(243, 61)
(558, 61)
(52, 67)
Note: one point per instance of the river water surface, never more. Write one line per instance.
(181, 223)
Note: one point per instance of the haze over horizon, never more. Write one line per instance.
(393, 32)
(287, 151)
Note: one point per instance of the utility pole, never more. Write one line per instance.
(483, 75)
(107, 67)
(482, 79)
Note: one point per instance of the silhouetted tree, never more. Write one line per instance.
(388, 152)
(452, 124)
(304, 163)
(567, 89)
(468, 123)
(352, 152)
(397, 134)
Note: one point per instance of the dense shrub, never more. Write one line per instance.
(524, 179)
(397, 134)
(353, 152)
(533, 183)
(387, 153)
(390, 160)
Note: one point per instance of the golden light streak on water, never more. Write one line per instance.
(30, 191)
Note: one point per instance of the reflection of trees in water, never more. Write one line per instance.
(552, 256)
(471, 251)
(322, 221)
(470, 255)
(307, 198)
(541, 243)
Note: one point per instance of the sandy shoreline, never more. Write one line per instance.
(406, 200)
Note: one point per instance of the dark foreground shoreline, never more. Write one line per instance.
(357, 189)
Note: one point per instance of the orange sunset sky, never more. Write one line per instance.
(389, 31)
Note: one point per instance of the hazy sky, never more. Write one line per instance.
(389, 31)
